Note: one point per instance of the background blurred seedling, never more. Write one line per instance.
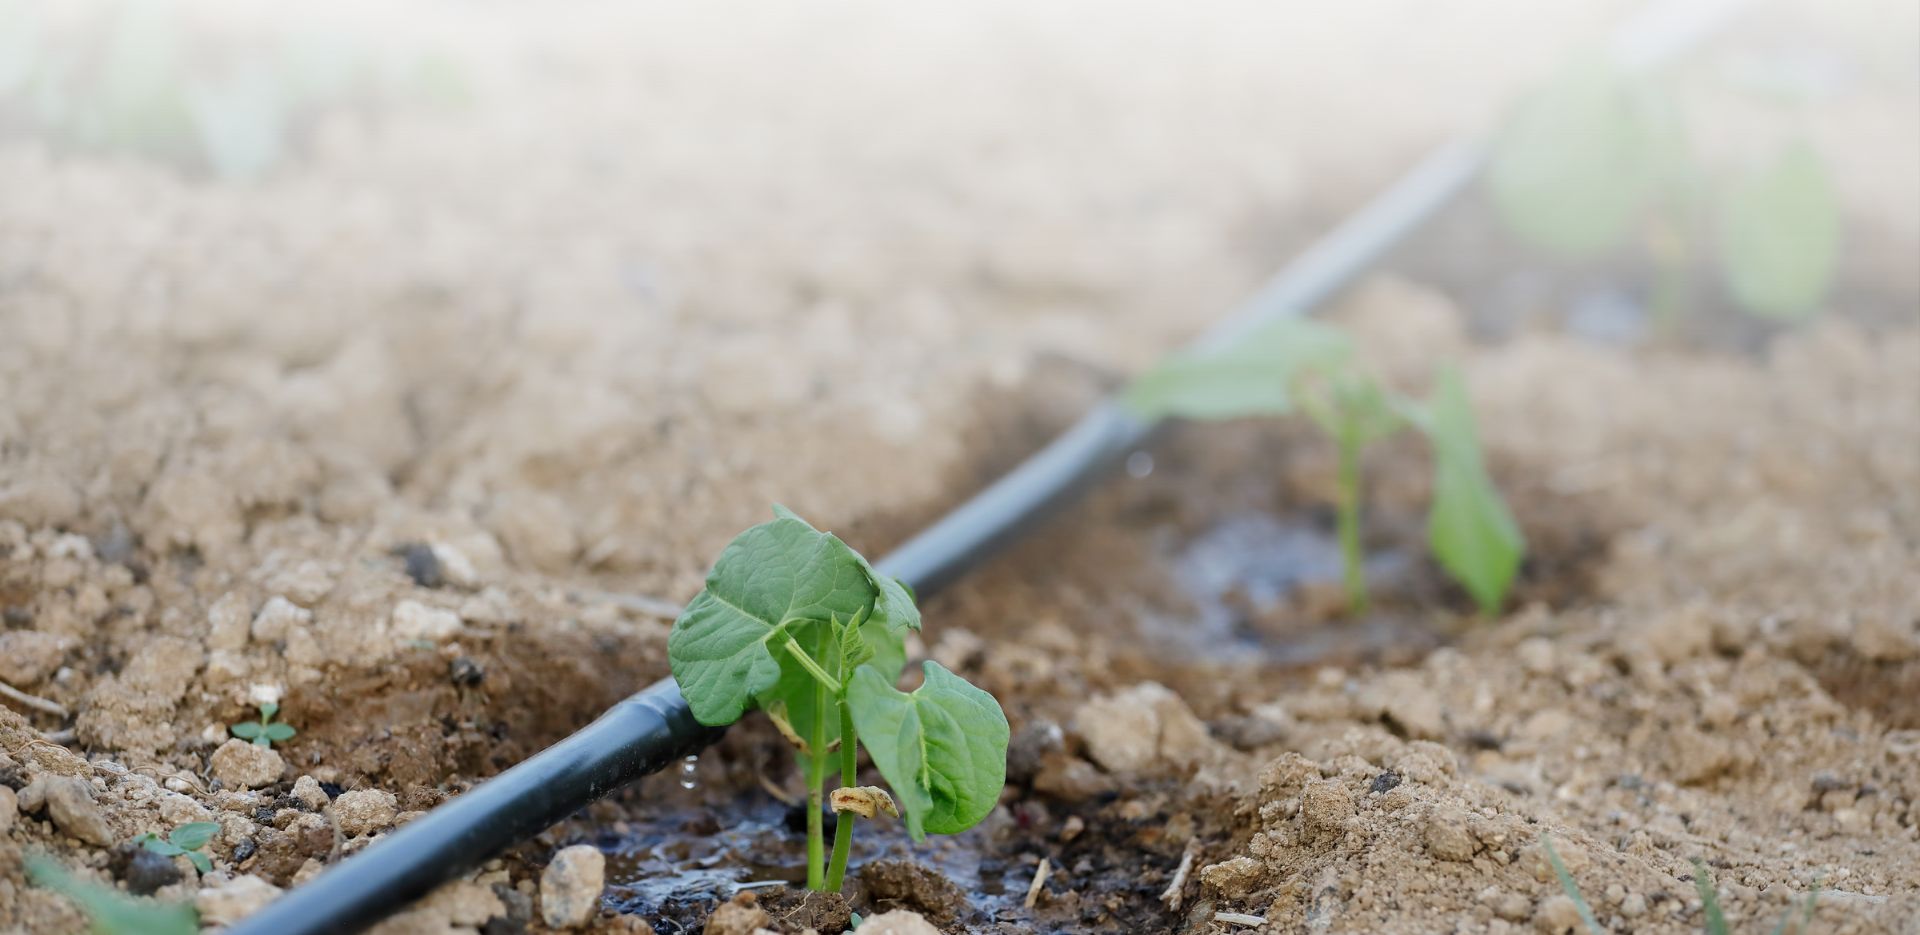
(1298, 364)
(266, 731)
(130, 76)
(186, 840)
(111, 911)
(1597, 161)
(798, 624)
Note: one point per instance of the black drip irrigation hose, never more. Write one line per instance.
(652, 729)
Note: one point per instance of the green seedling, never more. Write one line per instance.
(1597, 160)
(187, 839)
(797, 624)
(114, 912)
(266, 731)
(1297, 364)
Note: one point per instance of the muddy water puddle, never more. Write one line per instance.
(672, 868)
(1244, 577)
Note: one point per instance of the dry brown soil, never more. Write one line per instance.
(665, 268)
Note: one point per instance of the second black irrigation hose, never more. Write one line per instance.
(652, 729)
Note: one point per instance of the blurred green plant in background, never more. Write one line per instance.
(134, 77)
(1597, 161)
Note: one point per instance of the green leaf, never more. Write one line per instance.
(248, 730)
(889, 648)
(268, 710)
(1256, 376)
(1353, 407)
(1469, 529)
(893, 603)
(277, 732)
(194, 835)
(855, 651)
(156, 844)
(770, 577)
(200, 861)
(1580, 159)
(942, 747)
(1779, 236)
(112, 912)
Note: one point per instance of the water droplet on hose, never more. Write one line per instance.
(687, 768)
(1139, 464)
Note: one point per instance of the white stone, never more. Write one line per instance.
(570, 886)
(413, 620)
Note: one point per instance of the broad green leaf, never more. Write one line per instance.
(268, 710)
(1779, 236)
(200, 861)
(889, 648)
(893, 605)
(942, 747)
(194, 834)
(112, 912)
(771, 576)
(248, 730)
(1469, 529)
(279, 732)
(1580, 158)
(1254, 377)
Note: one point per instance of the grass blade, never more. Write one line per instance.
(1572, 889)
(1787, 923)
(1709, 898)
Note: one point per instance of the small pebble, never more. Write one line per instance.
(237, 899)
(570, 886)
(307, 791)
(422, 565)
(239, 764)
(145, 871)
(70, 804)
(364, 811)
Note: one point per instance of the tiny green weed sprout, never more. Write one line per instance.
(1597, 160)
(187, 839)
(1298, 364)
(266, 731)
(1569, 887)
(1716, 921)
(796, 623)
(113, 912)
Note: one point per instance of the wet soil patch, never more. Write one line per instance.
(1107, 864)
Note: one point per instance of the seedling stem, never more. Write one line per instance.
(843, 821)
(1352, 557)
(816, 777)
